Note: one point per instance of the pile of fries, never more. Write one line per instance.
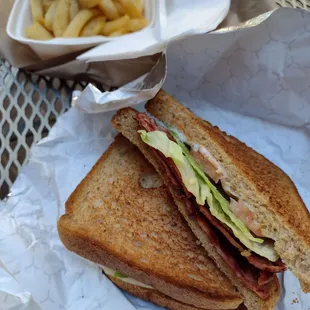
(84, 18)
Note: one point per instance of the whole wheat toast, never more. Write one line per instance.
(114, 219)
(156, 297)
(278, 207)
(124, 121)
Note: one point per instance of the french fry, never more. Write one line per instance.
(96, 12)
(74, 8)
(93, 27)
(49, 16)
(115, 25)
(46, 4)
(88, 4)
(119, 8)
(136, 24)
(131, 8)
(37, 11)
(61, 18)
(37, 32)
(119, 32)
(140, 5)
(109, 9)
(85, 18)
(78, 22)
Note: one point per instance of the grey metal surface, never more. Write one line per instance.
(29, 106)
(301, 4)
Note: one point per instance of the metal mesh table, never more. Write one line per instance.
(30, 105)
(301, 4)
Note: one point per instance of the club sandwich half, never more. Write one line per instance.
(246, 211)
(122, 218)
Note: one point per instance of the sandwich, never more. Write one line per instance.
(122, 218)
(246, 212)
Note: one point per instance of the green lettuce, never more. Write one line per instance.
(218, 196)
(197, 183)
(119, 275)
(160, 141)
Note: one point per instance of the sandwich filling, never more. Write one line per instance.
(116, 274)
(228, 223)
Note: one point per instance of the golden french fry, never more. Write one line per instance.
(37, 32)
(49, 16)
(37, 11)
(119, 8)
(140, 5)
(88, 4)
(41, 21)
(109, 9)
(96, 12)
(137, 24)
(74, 8)
(78, 22)
(115, 25)
(46, 4)
(131, 8)
(93, 27)
(119, 32)
(61, 18)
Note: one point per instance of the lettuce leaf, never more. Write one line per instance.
(160, 141)
(117, 274)
(218, 196)
(204, 191)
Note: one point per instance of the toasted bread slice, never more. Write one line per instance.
(114, 219)
(124, 121)
(278, 207)
(156, 297)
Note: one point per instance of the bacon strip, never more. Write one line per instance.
(244, 273)
(264, 264)
(259, 262)
(177, 188)
(147, 123)
(221, 228)
(264, 277)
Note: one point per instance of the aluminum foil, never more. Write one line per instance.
(247, 24)
(92, 100)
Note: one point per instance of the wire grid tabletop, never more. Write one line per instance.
(301, 4)
(30, 105)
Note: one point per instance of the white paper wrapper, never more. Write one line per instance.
(173, 19)
(44, 272)
(239, 86)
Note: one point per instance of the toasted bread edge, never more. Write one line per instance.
(153, 296)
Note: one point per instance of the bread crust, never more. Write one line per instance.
(154, 296)
(278, 207)
(82, 231)
(124, 121)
